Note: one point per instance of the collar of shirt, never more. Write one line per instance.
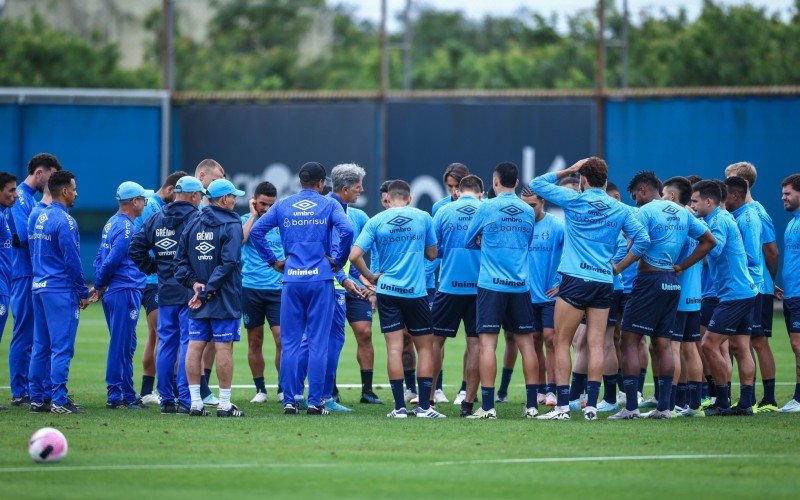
(126, 216)
(736, 213)
(712, 214)
(595, 190)
(467, 197)
(797, 214)
(31, 191)
(506, 195)
(59, 205)
(336, 197)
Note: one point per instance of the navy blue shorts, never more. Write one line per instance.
(755, 328)
(411, 313)
(431, 296)
(583, 294)
(733, 317)
(358, 309)
(260, 304)
(617, 308)
(791, 313)
(543, 313)
(449, 310)
(150, 298)
(687, 327)
(214, 330)
(511, 310)
(652, 305)
(762, 316)
(707, 307)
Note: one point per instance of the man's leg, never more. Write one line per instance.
(740, 346)
(321, 304)
(169, 346)
(662, 357)
(255, 358)
(610, 368)
(437, 353)
(487, 365)
(793, 406)
(39, 372)
(63, 328)
(133, 302)
(550, 364)
(184, 396)
(566, 321)
(631, 369)
(596, 324)
(116, 348)
(409, 366)
(276, 337)
(226, 332)
(472, 374)
(365, 351)
(394, 366)
(293, 321)
(335, 344)
(530, 369)
(718, 365)
(509, 360)
(149, 354)
(19, 349)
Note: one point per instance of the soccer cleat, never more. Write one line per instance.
(590, 413)
(301, 403)
(39, 407)
(605, 406)
(440, 397)
(530, 413)
(716, 411)
(370, 398)
(765, 406)
(429, 413)
(481, 413)
(409, 396)
(414, 400)
(113, 405)
(540, 399)
(621, 398)
(151, 399)
(290, 409)
(233, 411)
(168, 408)
(465, 412)
(550, 399)
(738, 411)
(650, 402)
(705, 403)
(793, 406)
(688, 412)
(183, 410)
(135, 405)
(280, 396)
(317, 410)
(576, 404)
(657, 415)
(67, 409)
(460, 397)
(201, 412)
(21, 401)
(210, 400)
(260, 397)
(555, 414)
(501, 398)
(401, 413)
(333, 405)
(626, 414)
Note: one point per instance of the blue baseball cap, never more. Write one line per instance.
(189, 184)
(129, 190)
(222, 187)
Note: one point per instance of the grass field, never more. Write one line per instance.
(142, 454)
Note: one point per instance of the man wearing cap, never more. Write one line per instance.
(120, 284)
(153, 250)
(208, 262)
(316, 237)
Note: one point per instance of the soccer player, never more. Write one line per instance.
(593, 223)
(503, 230)
(208, 262)
(402, 237)
(458, 280)
(762, 330)
(8, 195)
(790, 195)
(153, 204)
(40, 168)
(120, 284)
(732, 318)
(154, 249)
(316, 236)
(655, 296)
(59, 292)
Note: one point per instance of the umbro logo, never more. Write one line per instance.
(399, 221)
(599, 205)
(42, 218)
(545, 236)
(670, 210)
(467, 210)
(511, 210)
(204, 247)
(166, 243)
(304, 205)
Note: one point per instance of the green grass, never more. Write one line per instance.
(365, 455)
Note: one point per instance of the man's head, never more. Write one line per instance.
(63, 188)
(693, 179)
(613, 191)
(532, 199)
(264, 197)
(505, 177)
(644, 188)
(678, 190)
(40, 168)
(189, 189)
(737, 193)
(223, 194)
(208, 170)
(347, 181)
(384, 192)
(8, 189)
(572, 182)
(167, 190)
(312, 176)
(743, 169)
(471, 185)
(790, 193)
(452, 178)
(706, 197)
(594, 173)
(399, 193)
(132, 198)
(723, 190)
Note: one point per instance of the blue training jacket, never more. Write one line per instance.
(153, 205)
(18, 223)
(153, 249)
(55, 253)
(209, 252)
(112, 266)
(6, 254)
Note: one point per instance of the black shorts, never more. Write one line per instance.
(791, 313)
(707, 307)
(543, 313)
(583, 294)
(150, 298)
(762, 316)
(617, 308)
(358, 309)
(449, 310)
(511, 310)
(733, 317)
(431, 296)
(411, 313)
(652, 305)
(260, 304)
(687, 327)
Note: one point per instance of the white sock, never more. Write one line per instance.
(224, 399)
(197, 401)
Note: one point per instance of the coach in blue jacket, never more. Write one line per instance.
(208, 262)
(308, 223)
(159, 235)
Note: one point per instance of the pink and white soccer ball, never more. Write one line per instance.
(47, 445)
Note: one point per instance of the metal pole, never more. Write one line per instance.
(408, 39)
(600, 77)
(384, 88)
(625, 21)
(168, 84)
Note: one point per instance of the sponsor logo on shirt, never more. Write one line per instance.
(134, 313)
(511, 210)
(505, 282)
(39, 284)
(467, 210)
(463, 284)
(204, 248)
(669, 209)
(395, 288)
(303, 272)
(166, 243)
(599, 205)
(589, 267)
(303, 207)
(304, 222)
(668, 287)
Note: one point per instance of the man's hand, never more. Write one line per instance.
(252, 207)
(334, 267)
(373, 301)
(278, 265)
(778, 292)
(195, 302)
(678, 269)
(351, 287)
(95, 294)
(478, 240)
(552, 292)
(373, 278)
(84, 303)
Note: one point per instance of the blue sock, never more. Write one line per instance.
(630, 384)
(439, 380)
(147, 385)
(592, 393)
(505, 380)
(578, 385)
(746, 396)
(551, 388)
(542, 389)
(487, 398)
(207, 374)
(562, 394)
(204, 390)
(695, 393)
(620, 378)
(260, 385)
(722, 397)
(411, 380)
(425, 389)
(703, 390)
(673, 392)
(796, 396)
(610, 389)
(769, 389)
(531, 390)
(712, 387)
(642, 377)
(656, 388)
(397, 393)
(680, 396)
(175, 386)
(664, 392)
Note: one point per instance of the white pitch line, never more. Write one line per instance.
(587, 459)
(88, 468)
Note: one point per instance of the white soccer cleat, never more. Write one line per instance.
(151, 399)
(401, 413)
(440, 397)
(410, 396)
(280, 397)
(557, 413)
(605, 406)
(460, 397)
(792, 406)
(480, 413)
(211, 400)
(590, 413)
(530, 413)
(625, 414)
(650, 402)
(540, 399)
(657, 415)
(688, 412)
(621, 398)
(260, 397)
(550, 399)
(429, 413)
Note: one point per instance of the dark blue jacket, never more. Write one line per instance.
(160, 234)
(209, 252)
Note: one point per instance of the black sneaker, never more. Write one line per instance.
(290, 409)
(183, 410)
(370, 398)
(67, 409)
(198, 413)
(43, 407)
(738, 411)
(233, 411)
(114, 405)
(24, 400)
(168, 408)
(317, 410)
(135, 405)
(716, 411)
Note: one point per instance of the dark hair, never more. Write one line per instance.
(471, 183)
(59, 180)
(646, 177)
(399, 189)
(708, 189)
(455, 170)
(385, 187)
(682, 186)
(5, 178)
(793, 180)
(723, 189)
(694, 179)
(490, 193)
(266, 189)
(44, 160)
(736, 185)
(610, 187)
(596, 172)
(507, 173)
(172, 179)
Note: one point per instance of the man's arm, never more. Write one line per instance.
(120, 242)
(640, 242)
(68, 244)
(139, 250)
(545, 186)
(706, 242)
(184, 274)
(19, 218)
(771, 258)
(257, 236)
(248, 225)
(343, 235)
(230, 257)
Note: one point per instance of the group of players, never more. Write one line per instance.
(692, 268)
